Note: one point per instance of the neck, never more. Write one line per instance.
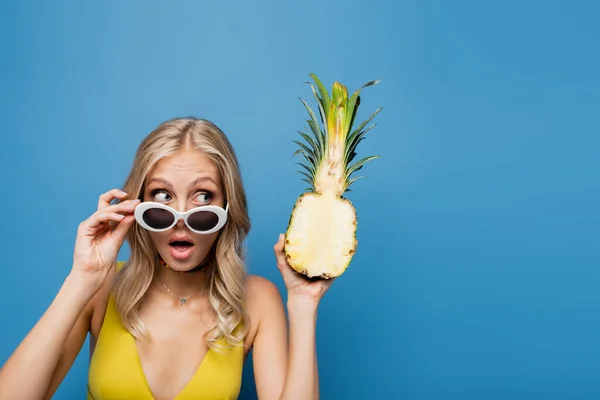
(183, 284)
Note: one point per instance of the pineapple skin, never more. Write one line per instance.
(320, 240)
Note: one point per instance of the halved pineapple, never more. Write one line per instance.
(320, 240)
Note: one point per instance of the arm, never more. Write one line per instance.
(270, 346)
(62, 329)
(302, 379)
(42, 359)
(283, 369)
(287, 370)
(75, 341)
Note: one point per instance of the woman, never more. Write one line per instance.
(176, 320)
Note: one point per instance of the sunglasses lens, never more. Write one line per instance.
(158, 218)
(203, 220)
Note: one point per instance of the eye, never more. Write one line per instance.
(161, 196)
(203, 197)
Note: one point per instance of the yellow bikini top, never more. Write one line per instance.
(116, 371)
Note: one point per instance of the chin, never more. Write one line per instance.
(181, 265)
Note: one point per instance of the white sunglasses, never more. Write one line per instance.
(158, 217)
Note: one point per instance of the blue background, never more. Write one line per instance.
(477, 270)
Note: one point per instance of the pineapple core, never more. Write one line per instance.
(321, 240)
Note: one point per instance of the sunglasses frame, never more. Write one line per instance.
(147, 205)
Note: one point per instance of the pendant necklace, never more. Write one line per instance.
(183, 300)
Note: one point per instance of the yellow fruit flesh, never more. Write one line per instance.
(321, 237)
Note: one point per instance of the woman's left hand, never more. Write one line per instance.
(297, 284)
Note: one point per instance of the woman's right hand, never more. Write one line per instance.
(100, 237)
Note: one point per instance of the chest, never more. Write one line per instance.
(174, 352)
(173, 362)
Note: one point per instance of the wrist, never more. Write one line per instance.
(81, 286)
(302, 304)
(302, 314)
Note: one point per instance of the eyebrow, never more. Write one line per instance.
(202, 179)
(194, 183)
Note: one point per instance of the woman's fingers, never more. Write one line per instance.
(279, 254)
(289, 275)
(106, 198)
(124, 207)
(101, 219)
(123, 227)
(116, 213)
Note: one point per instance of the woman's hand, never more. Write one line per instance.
(100, 237)
(297, 284)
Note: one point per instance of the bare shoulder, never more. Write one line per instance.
(268, 326)
(260, 289)
(263, 300)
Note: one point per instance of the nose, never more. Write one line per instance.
(181, 207)
(180, 223)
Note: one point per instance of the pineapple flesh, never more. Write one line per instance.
(320, 240)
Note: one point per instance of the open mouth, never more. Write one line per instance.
(181, 249)
(181, 245)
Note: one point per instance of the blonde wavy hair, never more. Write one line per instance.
(226, 272)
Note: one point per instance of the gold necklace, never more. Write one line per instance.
(183, 300)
